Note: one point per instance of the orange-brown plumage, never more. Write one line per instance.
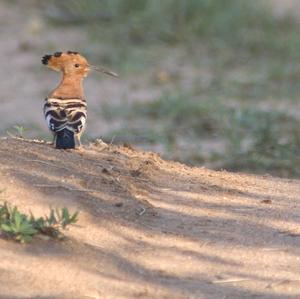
(74, 67)
(65, 107)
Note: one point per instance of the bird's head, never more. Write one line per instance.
(72, 63)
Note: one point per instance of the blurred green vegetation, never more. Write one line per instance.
(148, 21)
(244, 25)
(253, 60)
(252, 140)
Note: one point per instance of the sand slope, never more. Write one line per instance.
(148, 228)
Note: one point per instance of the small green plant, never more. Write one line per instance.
(57, 219)
(20, 130)
(16, 224)
(23, 228)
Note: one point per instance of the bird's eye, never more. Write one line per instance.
(77, 65)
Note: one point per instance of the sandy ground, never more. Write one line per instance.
(148, 228)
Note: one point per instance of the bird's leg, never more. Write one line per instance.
(54, 139)
(77, 141)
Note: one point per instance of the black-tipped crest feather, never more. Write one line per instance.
(46, 58)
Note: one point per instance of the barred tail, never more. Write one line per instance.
(65, 139)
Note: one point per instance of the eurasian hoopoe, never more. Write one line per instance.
(65, 108)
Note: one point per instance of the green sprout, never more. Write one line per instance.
(23, 228)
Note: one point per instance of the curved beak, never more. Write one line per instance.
(103, 70)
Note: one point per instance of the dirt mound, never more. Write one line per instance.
(148, 228)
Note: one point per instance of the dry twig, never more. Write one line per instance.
(230, 280)
(65, 187)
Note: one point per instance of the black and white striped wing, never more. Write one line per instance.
(65, 113)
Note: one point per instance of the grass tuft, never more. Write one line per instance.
(23, 228)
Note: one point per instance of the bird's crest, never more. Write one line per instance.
(72, 63)
(67, 62)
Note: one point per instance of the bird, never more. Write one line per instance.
(65, 108)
